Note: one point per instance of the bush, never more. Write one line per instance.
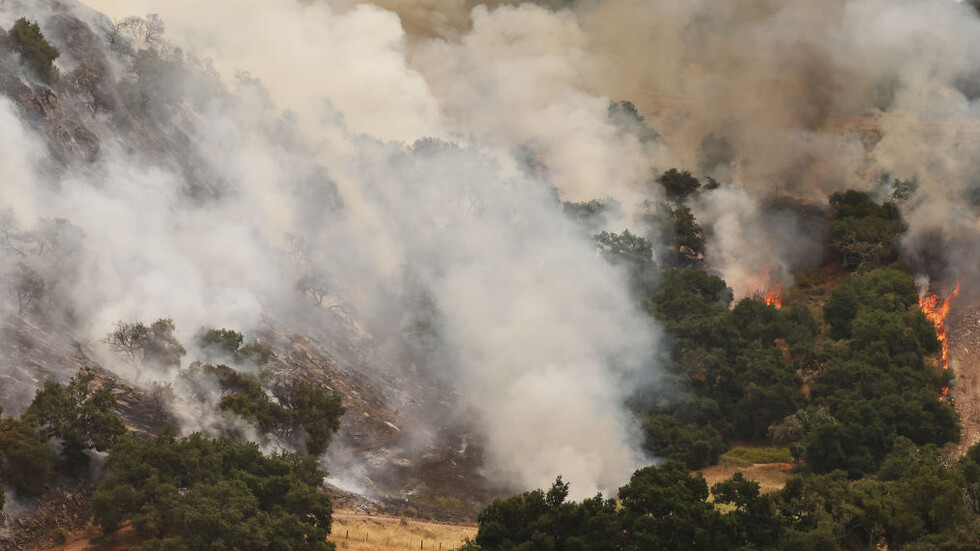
(59, 536)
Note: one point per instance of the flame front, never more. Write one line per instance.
(774, 296)
(768, 292)
(936, 310)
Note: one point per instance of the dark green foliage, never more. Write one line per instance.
(873, 407)
(695, 446)
(795, 430)
(625, 248)
(917, 497)
(538, 520)
(666, 508)
(685, 236)
(729, 358)
(226, 340)
(199, 494)
(229, 343)
(688, 293)
(313, 410)
(27, 454)
(755, 518)
(918, 501)
(879, 386)
(678, 184)
(888, 290)
(79, 414)
(302, 410)
(25, 37)
(862, 234)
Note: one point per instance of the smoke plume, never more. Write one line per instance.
(402, 159)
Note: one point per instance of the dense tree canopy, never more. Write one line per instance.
(199, 494)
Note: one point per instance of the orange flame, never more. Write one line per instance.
(768, 292)
(936, 310)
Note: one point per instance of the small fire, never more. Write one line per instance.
(768, 292)
(936, 310)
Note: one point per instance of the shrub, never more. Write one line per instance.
(59, 536)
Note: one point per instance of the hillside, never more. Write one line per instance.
(522, 275)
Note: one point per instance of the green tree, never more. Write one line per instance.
(79, 414)
(25, 38)
(862, 234)
(678, 184)
(155, 344)
(682, 232)
(231, 344)
(755, 517)
(695, 446)
(546, 521)
(666, 508)
(313, 410)
(28, 456)
(626, 248)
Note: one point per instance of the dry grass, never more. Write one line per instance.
(770, 476)
(79, 541)
(813, 288)
(352, 531)
(357, 531)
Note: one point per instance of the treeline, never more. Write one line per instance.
(836, 379)
(845, 377)
(917, 501)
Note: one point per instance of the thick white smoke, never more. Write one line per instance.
(534, 331)
(531, 328)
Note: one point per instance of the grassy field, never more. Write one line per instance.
(771, 476)
(352, 530)
(746, 456)
(357, 531)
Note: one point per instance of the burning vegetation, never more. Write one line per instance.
(767, 291)
(936, 310)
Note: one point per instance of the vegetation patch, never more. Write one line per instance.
(745, 456)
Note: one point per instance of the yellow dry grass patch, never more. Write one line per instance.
(770, 476)
(357, 531)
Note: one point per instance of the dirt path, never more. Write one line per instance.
(964, 353)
